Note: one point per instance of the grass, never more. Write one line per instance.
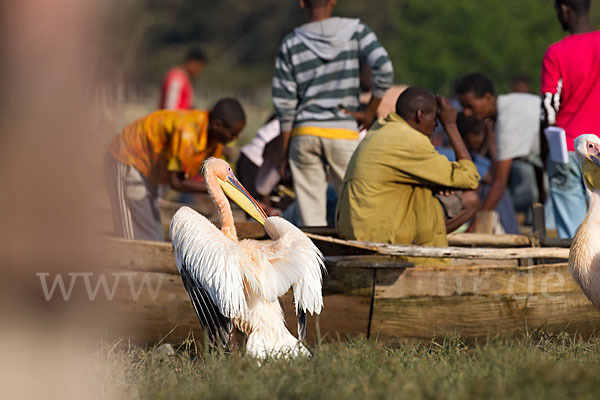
(539, 367)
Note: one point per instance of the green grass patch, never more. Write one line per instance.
(557, 367)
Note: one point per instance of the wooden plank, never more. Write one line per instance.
(148, 307)
(555, 242)
(320, 230)
(420, 319)
(543, 280)
(454, 239)
(139, 255)
(334, 246)
(488, 240)
(342, 316)
(477, 302)
(461, 252)
(368, 262)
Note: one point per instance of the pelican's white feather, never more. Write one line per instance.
(212, 259)
(295, 262)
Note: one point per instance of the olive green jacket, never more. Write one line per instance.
(387, 195)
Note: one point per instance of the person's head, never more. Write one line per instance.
(520, 84)
(418, 107)
(472, 130)
(476, 95)
(227, 119)
(323, 8)
(569, 11)
(194, 63)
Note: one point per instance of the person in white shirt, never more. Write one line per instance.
(256, 169)
(517, 122)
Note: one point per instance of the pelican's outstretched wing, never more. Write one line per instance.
(215, 325)
(212, 265)
(290, 260)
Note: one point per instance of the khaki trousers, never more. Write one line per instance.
(311, 159)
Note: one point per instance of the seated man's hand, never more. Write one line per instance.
(445, 112)
(446, 192)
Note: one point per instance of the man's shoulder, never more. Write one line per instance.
(565, 44)
(176, 72)
(517, 107)
(290, 40)
(178, 115)
(293, 38)
(524, 100)
(556, 49)
(398, 131)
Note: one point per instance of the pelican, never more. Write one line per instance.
(584, 256)
(238, 283)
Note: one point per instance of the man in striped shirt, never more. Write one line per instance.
(315, 94)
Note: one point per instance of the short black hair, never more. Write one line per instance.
(316, 3)
(413, 99)
(468, 125)
(579, 6)
(195, 55)
(228, 110)
(476, 83)
(521, 78)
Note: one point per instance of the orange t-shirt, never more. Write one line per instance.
(166, 140)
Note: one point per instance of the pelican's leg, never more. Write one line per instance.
(236, 339)
(301, 324)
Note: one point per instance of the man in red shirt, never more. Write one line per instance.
(571, 100)
(177, 92)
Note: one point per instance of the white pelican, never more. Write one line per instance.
(584, 257)
(237, 283)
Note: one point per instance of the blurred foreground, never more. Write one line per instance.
(58, 73)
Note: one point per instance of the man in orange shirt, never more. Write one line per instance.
(167, 146)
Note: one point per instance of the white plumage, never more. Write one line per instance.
(584, 256)
(244, 279)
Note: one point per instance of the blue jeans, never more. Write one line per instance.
(568, 195)
(523, 186)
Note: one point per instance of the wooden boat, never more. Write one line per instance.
(368, 291)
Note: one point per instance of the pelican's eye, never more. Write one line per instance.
(591, 146)
(230, 172)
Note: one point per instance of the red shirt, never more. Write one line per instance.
(571, 85)
(176, 90)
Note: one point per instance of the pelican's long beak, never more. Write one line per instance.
(237, 193)
(591, 171)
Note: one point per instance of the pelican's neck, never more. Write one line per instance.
(593, 215)
(222, 204)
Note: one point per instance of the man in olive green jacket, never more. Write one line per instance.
(389, 185)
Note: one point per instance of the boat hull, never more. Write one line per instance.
(390, 305)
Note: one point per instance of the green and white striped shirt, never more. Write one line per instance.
(317, 73)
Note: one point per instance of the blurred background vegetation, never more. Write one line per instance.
(431, 42)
